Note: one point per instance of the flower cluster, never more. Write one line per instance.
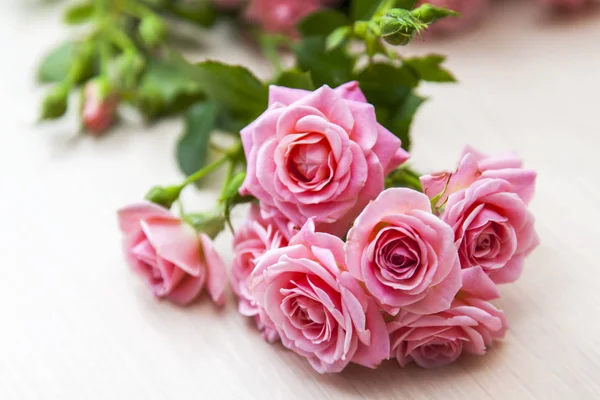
(332, 263)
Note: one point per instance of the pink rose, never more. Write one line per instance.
(99, 109)
(280, 16)
(476, 165)
(404, 254)
(318, 154)
(318, 309)
(492, 227)
(470, 325)
(170, 256)
(250, 241)
(471, 11)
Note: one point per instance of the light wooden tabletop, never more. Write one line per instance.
(77, 324)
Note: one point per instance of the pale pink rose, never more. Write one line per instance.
(319, 310)
(471, 324)
(476, 165)
(174, 260)
(571, 5)
(404, 254)
(318, 154)
(492, 227)
(99, 110)
(471, 12)
(250, 241)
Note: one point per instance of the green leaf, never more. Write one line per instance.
(338, 37)
(192, 148)
(165, 88)
(56, 65)
(201, 12)
(232, 197)
(390, 89)
(429, 68)
(233, 88)
(296, 80)
(332, 68)
(79, 13)
(363, 10)
(322, 23)
(402, 119)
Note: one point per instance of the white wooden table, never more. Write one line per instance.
(77, 324)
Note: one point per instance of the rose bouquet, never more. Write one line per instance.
(346, 255)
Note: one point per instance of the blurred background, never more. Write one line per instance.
(77, 324)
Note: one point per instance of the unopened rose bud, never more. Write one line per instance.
(399, 26)
(55, 103)
(163, 196)
(152, 30)
(100, 104)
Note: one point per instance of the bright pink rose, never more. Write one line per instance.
(318, 309)
(492, 227)
(250, 241)
(404, 254)
(99, 109)
(170, 256)
(471, 11)
(318, 154)
(470, 325)
(476, 165)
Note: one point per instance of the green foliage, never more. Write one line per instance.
(403, 176)
(163, 196)
(322, 23)
(199, 12)
(192, 148)
(363, 10)
(233, 88)
(429, 68)
(231, 196)
(165, 87)
(331, 68)
(390, 89)
(56, 65)
(79, 13)
(295, 79)
(338, 37)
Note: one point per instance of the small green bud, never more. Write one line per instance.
(428, 13)
(163, 196)
(55, 103)
(399, 27)
(152, 30)
(211, 223)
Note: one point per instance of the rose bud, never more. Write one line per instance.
(100, 104)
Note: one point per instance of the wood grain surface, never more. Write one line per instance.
(77, 324)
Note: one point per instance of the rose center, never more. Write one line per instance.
(309, 161)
